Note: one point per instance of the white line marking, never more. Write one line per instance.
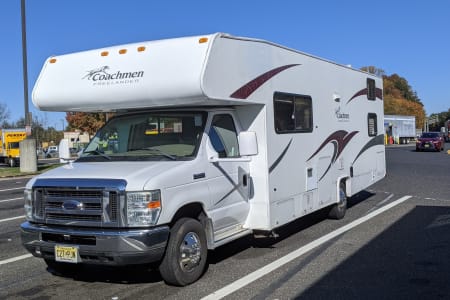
(12, 189)
(240, 283)
(381, 203)
(7, 200)
(10, 219)
(10, 260)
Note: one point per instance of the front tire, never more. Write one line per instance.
(185, 258)
(339, 209)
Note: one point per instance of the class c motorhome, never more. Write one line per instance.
(215, 137)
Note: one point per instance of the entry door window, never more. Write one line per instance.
(223, 136)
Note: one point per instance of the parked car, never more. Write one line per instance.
(52, 154)
(431, 141)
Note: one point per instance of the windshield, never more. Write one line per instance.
(147, 136)
(430, 135)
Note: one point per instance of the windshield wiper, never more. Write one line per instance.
(98, 153)
(157, 151)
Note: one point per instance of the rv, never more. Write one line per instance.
(215, 137)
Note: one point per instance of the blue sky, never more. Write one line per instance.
(410, 38)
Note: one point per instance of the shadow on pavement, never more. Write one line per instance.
(410, 260)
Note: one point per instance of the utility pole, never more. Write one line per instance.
(28, 159)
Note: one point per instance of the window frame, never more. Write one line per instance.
(371, 89)
(372, 116)
(294, 97)
(211, 127)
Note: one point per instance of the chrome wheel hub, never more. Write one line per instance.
(190, 252)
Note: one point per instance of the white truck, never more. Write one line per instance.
(215, 137)
(401, 128)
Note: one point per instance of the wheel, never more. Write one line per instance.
(11, 162)
(186, 253)
(338, 210)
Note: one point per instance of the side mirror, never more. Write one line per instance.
(248, 144)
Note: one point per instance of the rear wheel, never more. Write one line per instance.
(186, 253)
(338, 210)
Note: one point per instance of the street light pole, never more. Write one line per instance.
(28, 159)
(25, 69)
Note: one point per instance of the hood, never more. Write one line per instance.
(138, 175)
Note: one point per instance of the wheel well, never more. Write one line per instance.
(195, 211)
(191, 210)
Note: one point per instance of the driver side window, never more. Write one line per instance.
(223, 136)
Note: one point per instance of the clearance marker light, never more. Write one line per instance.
(122, 51)
(104, 53)
(202, 40)
(52, 60)
(141, 49)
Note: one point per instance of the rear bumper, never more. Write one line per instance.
(427, 146)
(98, 246)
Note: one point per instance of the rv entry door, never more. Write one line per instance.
(229, 183)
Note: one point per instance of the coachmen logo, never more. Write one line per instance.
(72, 205)
(103, 76)
(341, 116)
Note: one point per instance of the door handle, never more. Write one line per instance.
(244, 180)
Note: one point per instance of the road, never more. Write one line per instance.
(394, 243)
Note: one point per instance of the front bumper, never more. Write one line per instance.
(98, 246)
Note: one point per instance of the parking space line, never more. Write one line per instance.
(240, 283)
(10, 260)
(12, 189)
(10, 219)
(13, 199)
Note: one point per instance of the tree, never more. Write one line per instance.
(399, 97)
(4, 115)
(86, 122)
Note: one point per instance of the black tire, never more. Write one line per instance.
(187, 240)
(338, 210)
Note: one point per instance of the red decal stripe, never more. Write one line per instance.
(246, 90)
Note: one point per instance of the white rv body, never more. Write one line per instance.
(312, 129)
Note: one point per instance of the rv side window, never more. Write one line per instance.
(372, 124)
(371, 95)
(292, 113)
(223, 136)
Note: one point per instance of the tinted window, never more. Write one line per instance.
(223, 136)
(371, 93)
(292, 113)
(372, 124)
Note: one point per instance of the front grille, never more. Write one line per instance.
(78, 206)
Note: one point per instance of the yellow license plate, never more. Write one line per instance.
(67, 254)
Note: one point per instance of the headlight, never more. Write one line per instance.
(28, 196)
(143, 208)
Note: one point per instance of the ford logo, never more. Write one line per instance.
(72, 205)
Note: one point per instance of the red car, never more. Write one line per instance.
(430, 141)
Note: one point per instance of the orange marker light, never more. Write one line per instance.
(122, 51)
(154, 204)
(104, 53)
(52, 60)
(202, 40)
(140, 49)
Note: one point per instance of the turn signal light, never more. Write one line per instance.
(202, 40)
(52, 60)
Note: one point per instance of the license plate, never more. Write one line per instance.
(67, 254)
(426, 145)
